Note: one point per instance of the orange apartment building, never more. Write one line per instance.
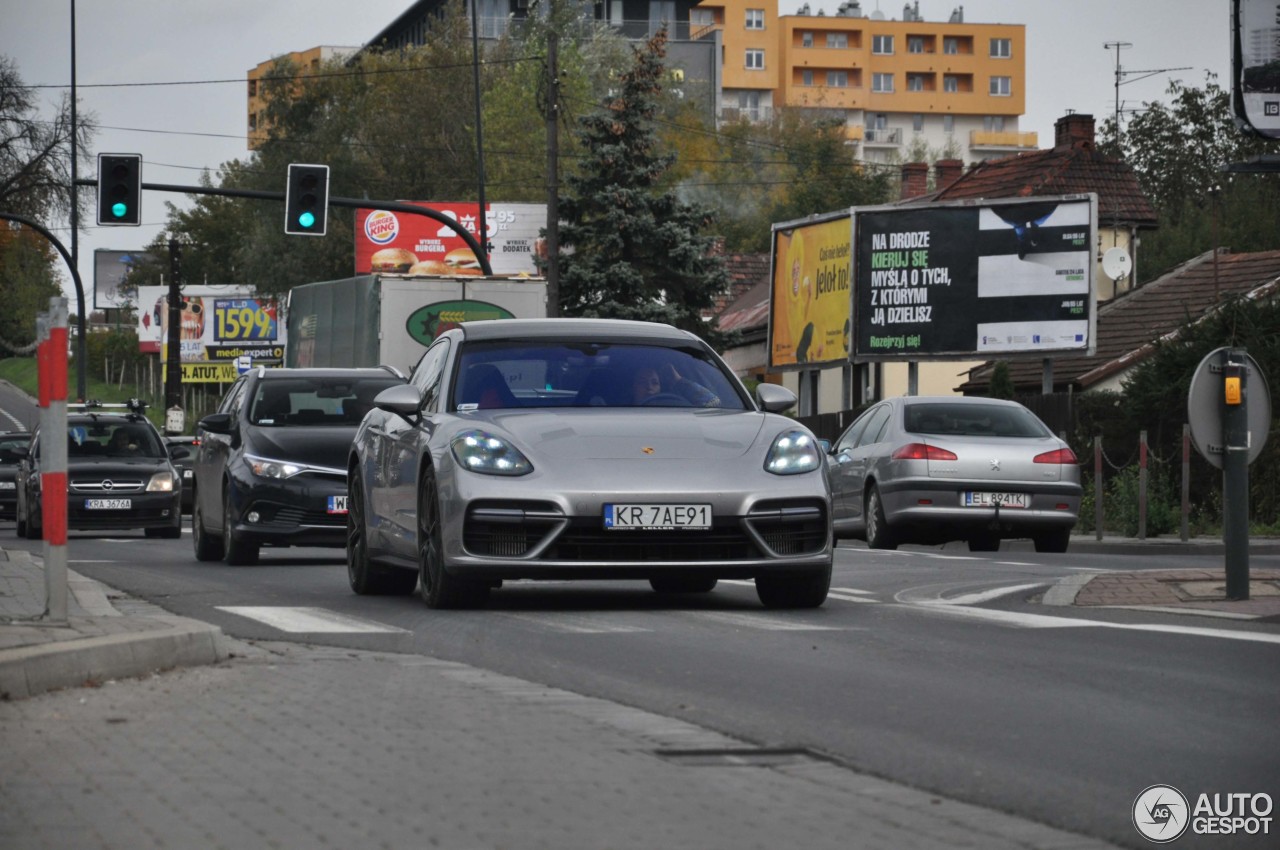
(306, 60)
(958, 87)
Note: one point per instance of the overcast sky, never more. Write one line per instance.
(181, 129)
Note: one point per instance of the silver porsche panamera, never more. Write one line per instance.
(584, 449)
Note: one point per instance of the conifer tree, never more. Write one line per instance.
(635, 251)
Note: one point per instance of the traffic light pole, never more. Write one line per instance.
(173, 342)
(349, 203)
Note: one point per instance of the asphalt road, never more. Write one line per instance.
(930, 667)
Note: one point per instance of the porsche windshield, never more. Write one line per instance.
(596, 374)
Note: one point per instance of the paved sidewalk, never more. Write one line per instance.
(106, 635)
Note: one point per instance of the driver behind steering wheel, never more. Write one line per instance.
(647, 385)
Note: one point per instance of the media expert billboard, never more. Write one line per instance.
(219, 326)
(809, 321)
(951, 281)
(512, 235)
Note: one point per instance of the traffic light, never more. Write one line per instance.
(306, 201)
(120, 189)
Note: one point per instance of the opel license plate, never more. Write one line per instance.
(337, 504)
(108, 504)
(976, 499)
(642, 517)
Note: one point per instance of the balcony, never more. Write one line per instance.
(882, 137)
(1013, 141)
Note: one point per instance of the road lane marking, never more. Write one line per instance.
(982, 595)
(1041, 621)
(578, 624)
(761, 621)
(311, 620)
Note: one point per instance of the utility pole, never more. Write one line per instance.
(553, 175)
(173, 344)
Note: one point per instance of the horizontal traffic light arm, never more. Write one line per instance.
(349, 203)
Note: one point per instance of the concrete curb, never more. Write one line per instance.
(30, 670)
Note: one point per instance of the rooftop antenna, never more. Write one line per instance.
(1121, 74)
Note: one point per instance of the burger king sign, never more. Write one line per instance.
(403, 243)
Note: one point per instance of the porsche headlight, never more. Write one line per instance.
(161, 482)
(793, 452)
(482, 452)
(268, 468)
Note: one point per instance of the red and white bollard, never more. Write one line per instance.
(51, 360)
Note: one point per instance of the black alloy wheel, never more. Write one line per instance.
(878, 534)
(439, 588)
(208, 546)
(366, 578)
(236, 551)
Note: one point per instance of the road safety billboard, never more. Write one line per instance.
(955, 281)
(809, 321)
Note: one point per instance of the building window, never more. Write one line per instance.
(882, 82)
(806, 77)
(950, 45)
(749, 103)
(755, 19)
(697, 17)
(253, 122)
(917, 123)
(253, 88)
(1001, 86)
(915, 44)
(993, 123)
(1001, 48)
(948, 123)
(882, 44)
(837, 39)
(838, 79)
(915, 82)
(755, 60)
(950, 83)
(806, 39)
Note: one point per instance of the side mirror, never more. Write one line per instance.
(402, 400)
(179, 452)
(774, 398)
(826, 446)
(219, 423)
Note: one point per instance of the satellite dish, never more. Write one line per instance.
(1116, 263)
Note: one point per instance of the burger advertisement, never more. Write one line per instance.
(402, 243)
(810, 305)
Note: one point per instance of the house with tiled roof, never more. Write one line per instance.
(1074, 166)
(1129, 325)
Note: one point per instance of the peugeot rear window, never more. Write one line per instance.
(972, 420)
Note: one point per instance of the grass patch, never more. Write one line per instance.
(22, 373)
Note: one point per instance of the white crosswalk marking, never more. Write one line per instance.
(309, 620)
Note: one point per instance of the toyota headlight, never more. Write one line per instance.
(268, 468)
(481, 452)
(793, 452)
(161, 482)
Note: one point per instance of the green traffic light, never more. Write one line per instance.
(307, 220)
(119, 209)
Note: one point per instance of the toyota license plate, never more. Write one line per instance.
(108, 504)
(975, 499)
(657, 517)
(337, 504)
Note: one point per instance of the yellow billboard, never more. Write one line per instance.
(809, 311)
(209, 373)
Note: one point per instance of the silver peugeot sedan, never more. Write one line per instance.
(929, 469)
(584, 449)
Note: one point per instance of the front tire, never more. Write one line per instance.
(31, 529)
(365, 578)
(236, 552)
(207, 546)
(805, 590)
(439, 588)
(985, 542)
(878, 534)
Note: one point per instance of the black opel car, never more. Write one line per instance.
(11, 445)
(271, 466)
(120, 475)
